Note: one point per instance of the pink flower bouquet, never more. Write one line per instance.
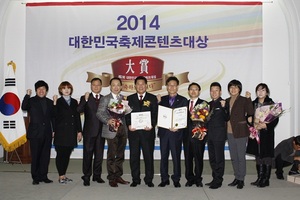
(265, 114)
(268, 113)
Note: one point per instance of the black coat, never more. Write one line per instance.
(217, 125)
(67, 123)
(40, 124)
(266, 136)
(92, 125)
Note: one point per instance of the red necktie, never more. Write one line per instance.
(192, 106)
(141, 97)
(97, 97)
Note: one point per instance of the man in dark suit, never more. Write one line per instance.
(216, 135)
(287, 153)
(193, 147)
(142, 139)
(171, 139)
(93, 143)
(115, 131)
(39, 133)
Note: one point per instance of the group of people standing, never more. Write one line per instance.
(229, 120)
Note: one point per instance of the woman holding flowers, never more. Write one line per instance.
(263, 146)
(241, 110)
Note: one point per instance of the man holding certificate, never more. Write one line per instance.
(141, 124)
(171, 136)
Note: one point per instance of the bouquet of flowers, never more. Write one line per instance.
(265, 114)
(117, 109)
(200, 112)
(268, 113)
(199, 116)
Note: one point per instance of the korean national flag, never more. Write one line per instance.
(12, 126)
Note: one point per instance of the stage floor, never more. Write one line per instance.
(15, 183)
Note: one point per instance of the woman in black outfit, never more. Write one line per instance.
(67, 128)
(264, 151)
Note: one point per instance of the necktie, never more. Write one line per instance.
(69, 101)
(97, 99)
(141, 97)
(192, 106)
(171, 101)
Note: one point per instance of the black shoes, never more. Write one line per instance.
(177, 184)
(210, 183)
(240, 184)
(189, 184)
(134, 184)
(233, 183)
(291, 172)
(46, 180)
(215, 185)
(256, 182)
(280, 176)
(98, 180)
(199, 184)
(35, 182)
(150, 184)
(164, 183)
(86, 181)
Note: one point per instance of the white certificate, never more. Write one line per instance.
(172, 118)
(140, 120)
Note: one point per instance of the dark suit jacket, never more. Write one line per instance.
(241, 108)
(92, 125)
(180, 101)
(217, 125)
(134, 103)
(40, 124)
(67, 123)
(103, 115)
(285, 149)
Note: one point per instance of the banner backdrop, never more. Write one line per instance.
(196, 41)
